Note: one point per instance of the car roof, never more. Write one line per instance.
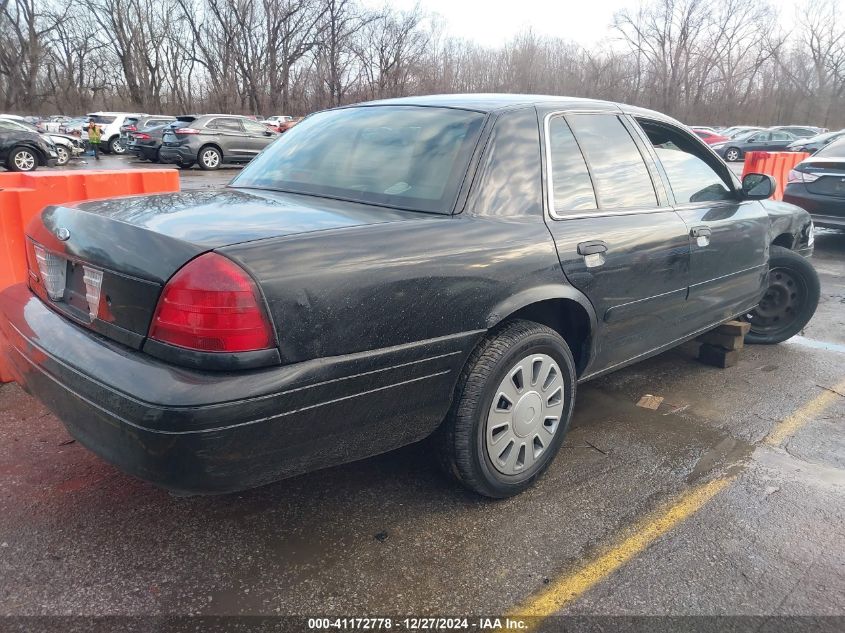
(491, 102)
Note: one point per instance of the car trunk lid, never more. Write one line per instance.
(103, 263)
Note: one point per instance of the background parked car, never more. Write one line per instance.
(738, 130)
(214, 139)
(141, 122)
(708, 136)
(815, 143)
(24, 150)
(277, 119)
(110, 124)
(756, 141)
(146, 143)
(799, 131)
(817, 184)
(67, 147)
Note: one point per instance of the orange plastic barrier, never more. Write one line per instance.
(775, 164)
(23, 195)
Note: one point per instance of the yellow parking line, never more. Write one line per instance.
(569, 587)
(789, 426)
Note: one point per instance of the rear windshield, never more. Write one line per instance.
(405, 157)
(835, 149)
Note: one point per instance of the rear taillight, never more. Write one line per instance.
(186, 130)
(140, 136)
(130, 128)
(212, 305)
(796, 175)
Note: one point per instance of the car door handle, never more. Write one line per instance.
(700, 231)
(592, 247)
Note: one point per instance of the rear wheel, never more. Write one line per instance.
(22, 159)
(186, 165)
(116, 146)
(511, 410)
(210, 158)
(790, 300)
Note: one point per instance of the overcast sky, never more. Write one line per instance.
(491, 22)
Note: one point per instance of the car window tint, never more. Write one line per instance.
(403, 156)
(6, 125)
(619, 174)
(687, 165)
(780, 136)
(572, 189)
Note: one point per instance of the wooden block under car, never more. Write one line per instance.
(726, 341)
(734, 328)
(716, 356)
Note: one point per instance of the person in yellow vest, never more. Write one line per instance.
(94, 136)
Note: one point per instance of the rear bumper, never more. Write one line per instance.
(179, 154)
(826, 211)
(211, 432)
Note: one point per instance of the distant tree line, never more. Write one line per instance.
(702, 61)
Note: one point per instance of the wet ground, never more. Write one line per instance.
(390, 535)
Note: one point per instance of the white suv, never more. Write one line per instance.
(110, 123)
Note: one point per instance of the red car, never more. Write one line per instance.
(709, 137)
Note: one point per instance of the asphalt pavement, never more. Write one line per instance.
(727, 500)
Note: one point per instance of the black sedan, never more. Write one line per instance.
(755, 141)
(146, 143)
(22, 150)
(817, 184)
(448, 265)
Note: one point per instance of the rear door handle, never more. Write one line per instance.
(592, 247)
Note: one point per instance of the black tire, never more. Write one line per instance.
(460, 441)
(209, 158)
(790, 300)
(116, 146)
(22, 159)
(156, 157)
(185, 165)
(733, 154)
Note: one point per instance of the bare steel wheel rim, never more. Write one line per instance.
(118, 147)
(732, 154)
(24, 161)
(525, 414)
(210, 158)
(64, 156)
(781, 305)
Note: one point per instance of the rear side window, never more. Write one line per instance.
(100, 119)
(227, 125)
(617, 168)
(571, 187)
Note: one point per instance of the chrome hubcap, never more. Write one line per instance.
(118, 147)
(733, 155)
(210, 158)
(63, 155)
(24, 161)
(525, 414)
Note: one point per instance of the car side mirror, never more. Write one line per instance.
(268, 133)
(758, 186)
(753, 139)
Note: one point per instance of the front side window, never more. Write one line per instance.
(690, 175)
(571, 187)
(404, 156)
(617, 168)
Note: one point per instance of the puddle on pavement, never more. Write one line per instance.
(814, 344)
